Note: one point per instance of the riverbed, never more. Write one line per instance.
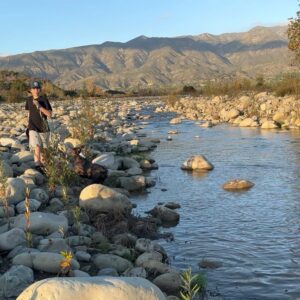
(254, 236)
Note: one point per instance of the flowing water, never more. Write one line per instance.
(254, 235)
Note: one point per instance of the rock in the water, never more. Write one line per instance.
(146, 256)
(197, 162)
(269, 125)
(14, 281)
(165, 214)
(91, 288)
(12, 238)
(98, 197)
(112, 261)
(43, 261)
(175, 121)
(42, 223)
(238, 184)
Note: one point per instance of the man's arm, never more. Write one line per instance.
(45, 111)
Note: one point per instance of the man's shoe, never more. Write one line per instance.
(40, 169)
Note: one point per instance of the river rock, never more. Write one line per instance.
(169, 283)
(133, 183)
(269, 125)
(238, 184)
(146, 245)
(165, 214)
(72, 142)
(175, 121)
(42, 223)
(136, 272)
(55, 245)
(100, 198)
(111, 261)
(146, 256)
(38, 177)
(197, 162)
(39, 194)
(4, 212)
(33, 206)
(15, 190)
(12, 238)
(107, 160)
(5, 141)
(14, 281)
(21, 157)
(248, 122)
(91, 288)
(6, 170)
(43, 261)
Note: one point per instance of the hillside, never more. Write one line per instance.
(154, 61)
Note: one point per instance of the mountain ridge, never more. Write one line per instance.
(156, 61)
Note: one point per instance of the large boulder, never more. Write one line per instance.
(98, 197)
(103, 261)
(197, 162)
(12, 238)
(43, 261)
(14, 281)
(91, 288)
(42, 223)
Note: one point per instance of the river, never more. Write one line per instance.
(254, 235)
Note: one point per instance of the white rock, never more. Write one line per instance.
(22, 157)
(101, 198)
(91, 288)
(107, 160)
(197, 162)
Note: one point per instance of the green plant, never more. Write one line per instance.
(3, 194)
(76, 214)
(58, 166)
(294, 36)
(191, 285)
(65, 264)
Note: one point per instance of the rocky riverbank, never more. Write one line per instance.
(262, 110)
(84, 230)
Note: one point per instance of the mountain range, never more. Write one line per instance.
(159, 61)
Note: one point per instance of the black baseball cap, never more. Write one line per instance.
(35, 85)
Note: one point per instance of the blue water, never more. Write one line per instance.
(254, 234)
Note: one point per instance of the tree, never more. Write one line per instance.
(294, 36)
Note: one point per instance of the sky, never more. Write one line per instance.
(34, 25)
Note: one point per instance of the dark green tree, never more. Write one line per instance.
(294, 36)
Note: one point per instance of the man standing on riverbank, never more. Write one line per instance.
(39, 109)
